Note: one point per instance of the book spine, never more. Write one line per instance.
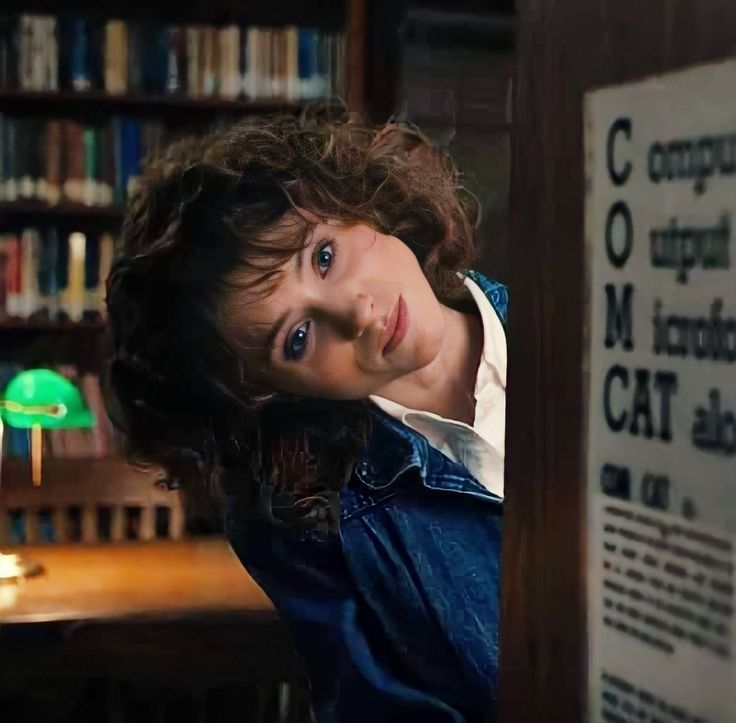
(11, 158)
(79, 55)
(117, 152)
(52, 67)
(135, 81)
(30, 259)
(322, 54)
(38, 155)
(253, 41)
(73, 295)
(278, 60)
(24, 159)
(96, 53)
(6, 52)
(39, 52)
(12, 275)
(122, 56)
(89, 192)
(4, 120)
(175, 80)
(292, 62)
(192, 54)
(91, 276)
(15, 52)
(52, 162)
(307, 63)
(113, 81)
(132, 155)
(107, 171)
(160, 61)
(3, 277)
(243, 66)
(224, 39)
(62, 275)
(209, 79)
(47, 278)
(26, 82)
(267, 77)
(63, 34)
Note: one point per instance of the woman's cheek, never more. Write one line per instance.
(337, 375)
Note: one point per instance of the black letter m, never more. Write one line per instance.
(618, 317)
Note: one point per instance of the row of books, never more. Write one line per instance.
(71, 52)
(60, 160)
(53, 275)
(99, 441)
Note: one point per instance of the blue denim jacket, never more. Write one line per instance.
(396, 616)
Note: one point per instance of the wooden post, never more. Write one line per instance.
(565, 50)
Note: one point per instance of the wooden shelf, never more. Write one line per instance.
(61, 210)
(54, 327)
(96, 98)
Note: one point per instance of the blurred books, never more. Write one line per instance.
(72, 52)
(50, 275)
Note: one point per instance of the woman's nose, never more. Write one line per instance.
(355, 315)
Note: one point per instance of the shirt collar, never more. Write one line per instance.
(487, 311)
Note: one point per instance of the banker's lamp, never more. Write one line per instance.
(38, 399)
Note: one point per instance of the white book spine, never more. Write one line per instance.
(250, 85)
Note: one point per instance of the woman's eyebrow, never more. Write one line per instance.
(274, 331)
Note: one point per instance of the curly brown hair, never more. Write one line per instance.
(177, 386)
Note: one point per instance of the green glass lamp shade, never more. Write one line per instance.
(45, 398)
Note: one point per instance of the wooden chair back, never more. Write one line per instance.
(86, 501)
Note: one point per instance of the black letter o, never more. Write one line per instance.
(618, 259)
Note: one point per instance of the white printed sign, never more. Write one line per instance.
(661, 443)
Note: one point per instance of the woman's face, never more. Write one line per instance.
(352, 313)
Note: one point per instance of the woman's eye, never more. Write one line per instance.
(325, 255)
(298, 342)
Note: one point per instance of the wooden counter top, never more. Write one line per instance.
(126, 581)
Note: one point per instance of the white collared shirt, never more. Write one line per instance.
(480, 447)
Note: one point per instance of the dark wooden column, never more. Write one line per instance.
(564, 49)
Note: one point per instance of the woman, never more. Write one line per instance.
(291, 318)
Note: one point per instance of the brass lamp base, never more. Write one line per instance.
(14, 568)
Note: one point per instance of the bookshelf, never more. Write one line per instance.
(38, 100)
(79, 109)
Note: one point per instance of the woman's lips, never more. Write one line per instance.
(398, 321)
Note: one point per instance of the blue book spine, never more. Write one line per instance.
(306, 58)
(80, 54)
(47, 267)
